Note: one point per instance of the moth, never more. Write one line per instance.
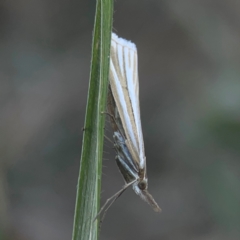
(124, 112)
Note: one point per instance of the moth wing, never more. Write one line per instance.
(124, 84)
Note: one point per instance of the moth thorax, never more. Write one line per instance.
(142, 184)
(141, 174)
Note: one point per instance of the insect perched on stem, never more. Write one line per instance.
(124, 112)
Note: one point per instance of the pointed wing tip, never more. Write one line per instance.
(123, 41)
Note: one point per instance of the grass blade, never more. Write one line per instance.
(89, 181)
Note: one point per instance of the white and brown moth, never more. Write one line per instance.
(124, 112)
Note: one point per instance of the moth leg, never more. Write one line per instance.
(113, 118)
(108, 138)
(112, 199)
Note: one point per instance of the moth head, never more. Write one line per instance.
(143, 184)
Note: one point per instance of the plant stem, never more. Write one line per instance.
(89, 181)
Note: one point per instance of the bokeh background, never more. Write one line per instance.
(189, 58)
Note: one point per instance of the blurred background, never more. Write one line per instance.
(189, 56)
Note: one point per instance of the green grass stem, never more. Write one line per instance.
(89, 181)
